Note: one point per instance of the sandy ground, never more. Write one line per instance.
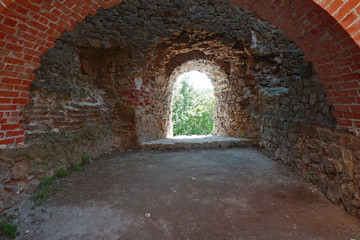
(236, 193)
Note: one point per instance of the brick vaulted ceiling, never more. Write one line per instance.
(327, 31)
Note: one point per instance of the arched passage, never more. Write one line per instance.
(192, 105)
(28, 31)
(228, 115)
(326, 32)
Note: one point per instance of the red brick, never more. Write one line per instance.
(352, 76)
(338, 114)
(9, 22)
(341, 108)
(344, 122)
(6, 127)
(6, 29)
(343, 93)
(15, 133)
(8, 94)
(22, 10)
(350, 85)
(355, 108)
(354, 28)
(5, 100)
(7, 80)
(20, 101)
(345, 9)
(7, 107)
(350, 115)
(348, 20)
(358, 10)
(348, 100)
(7, 141)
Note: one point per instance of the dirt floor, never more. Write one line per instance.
(236, 193)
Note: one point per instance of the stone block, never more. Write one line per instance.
(325, 135)
(313, 98)
(348, 189)
(354, 143)
(306, 159)
(333, 192)
(20, 171)
(323, 181)
(349, 161)
(4, 172)
(315, 157)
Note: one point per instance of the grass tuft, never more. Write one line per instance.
(8, 226)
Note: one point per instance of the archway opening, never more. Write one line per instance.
(193, 105)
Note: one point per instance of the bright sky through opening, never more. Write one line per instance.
(197, 79)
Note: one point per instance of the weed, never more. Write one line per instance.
(46, 186)
(61, 173)
(45, 189)
(85, 160)
(77, 167)
(8, 227)
(310, 184)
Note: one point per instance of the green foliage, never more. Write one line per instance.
(8, 227)
(45, 188)
(61, 173)
(192, 110)
(85, 160)
(77, 167)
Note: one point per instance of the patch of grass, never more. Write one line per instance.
(45, 188)
(85, 160)
(8, 227)
(46, 185)
(61, 173)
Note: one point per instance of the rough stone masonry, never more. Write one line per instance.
(108, 83)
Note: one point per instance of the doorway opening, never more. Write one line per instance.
(193, 105)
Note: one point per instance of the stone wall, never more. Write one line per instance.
(322, 155)
(108, 83)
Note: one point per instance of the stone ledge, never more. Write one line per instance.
(195, 141)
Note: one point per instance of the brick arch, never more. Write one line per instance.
(326, 31)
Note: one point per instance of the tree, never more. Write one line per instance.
(192, 109)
